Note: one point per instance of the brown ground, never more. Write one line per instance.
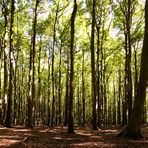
(44, 137)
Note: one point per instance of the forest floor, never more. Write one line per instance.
(57, 137)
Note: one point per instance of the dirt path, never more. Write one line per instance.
(43, 137)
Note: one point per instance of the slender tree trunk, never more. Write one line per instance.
(136, 71)
(93, 77)
(48, 104)
(98, 73)
(128, 25)
(37, 102)
(83, 89)
(15, 90)
(59, 87)
(114, 104)
(0, 82)
(70, 122)
(67, 92)
(78, 103)
(9, 107)
(31, 96)
(119, 98)
(53, 75)
(5, 89)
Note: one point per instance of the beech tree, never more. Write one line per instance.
(10, 90)
(68, 69)
(132, 129)
(70, 119)
(93, 77)
(31, 83)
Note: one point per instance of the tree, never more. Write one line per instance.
(5, 13)
(70, 121)
(9, 107)
(93, 76)
(53, 59)
(132, 130)
(31, 95)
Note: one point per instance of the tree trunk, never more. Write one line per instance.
(98, 73)
(37, 101)
(114, 104)
(83, 90)
(9, 107)
(53, 75)
(31, 96)
(93, 76)
(67, 92)
(132, 130)
(59, 87)
(119, 98)
(129, 77)
(5, 13)
(0, 82)
(48, 104)
(70, 122)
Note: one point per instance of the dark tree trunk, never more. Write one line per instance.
(70, 122)
(132, 130)
(37, 101)
(83, 90)
(119, 99)
(0, 82)
(15, 106)
(98, 73)
(5, 13)
(129, 77)
(9, 106)
(93, 77)
(31, 95)
(78, 103)
(136, 71)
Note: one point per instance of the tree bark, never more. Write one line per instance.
(67, 92)
(31, 95)
(93, 75)
(83, 90)
(132, 130)
(70, 122)
(59, 87)
(53, 75)
(9, 106)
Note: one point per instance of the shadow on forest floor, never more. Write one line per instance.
(57, 137)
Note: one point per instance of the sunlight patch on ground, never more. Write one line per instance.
(92, 144)
(56, 138)
(6, 142)
(22, 130)
(84, 134)
(9, 137)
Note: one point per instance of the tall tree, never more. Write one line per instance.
(31, 95)
(9, 107)
(70, 122)
(67, 92)
(83, 89)
(5, 13)
(132, 130)
(93, 75)
(53, 59)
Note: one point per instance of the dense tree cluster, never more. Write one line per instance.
(72, 62)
